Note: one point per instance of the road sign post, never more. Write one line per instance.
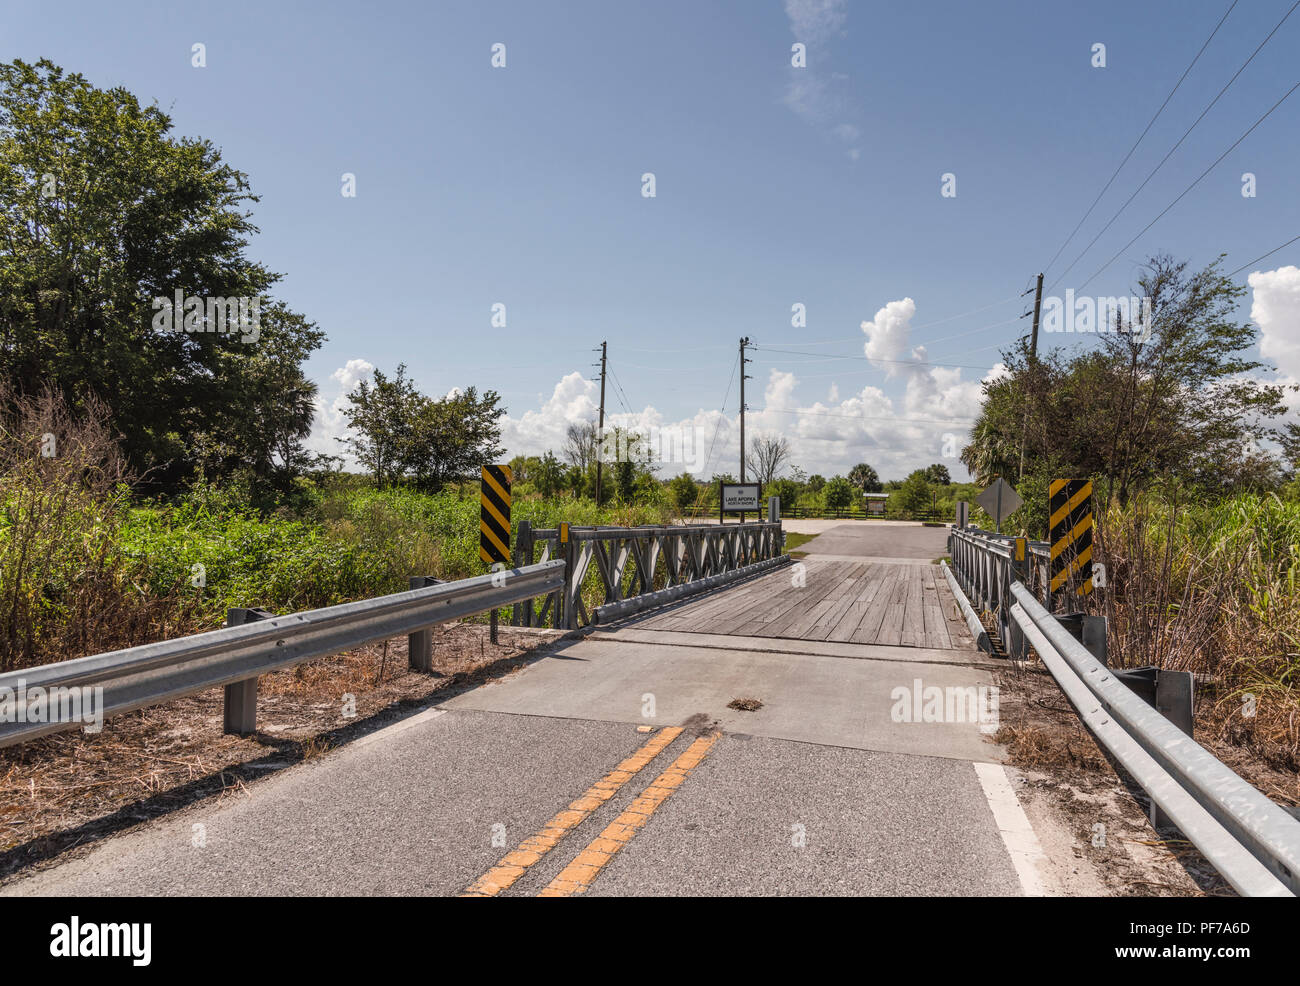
(737, 498)
(494, 524)
(999, 501)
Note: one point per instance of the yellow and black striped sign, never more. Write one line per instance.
(494, 515)
(1070, 505)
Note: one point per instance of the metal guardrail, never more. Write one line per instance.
(1252, 842)
(636, 561)
(236, 656)
(627, 607)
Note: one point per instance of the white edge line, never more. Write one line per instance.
(1013, 825)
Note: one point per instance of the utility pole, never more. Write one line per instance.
(743, 343)
(600, 430)
(1033, 362)
(1038, 307)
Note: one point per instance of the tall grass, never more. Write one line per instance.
(65, 587)
(1212, 588)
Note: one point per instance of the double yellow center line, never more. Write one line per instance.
(579, 874)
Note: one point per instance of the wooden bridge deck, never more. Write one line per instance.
(857, 602)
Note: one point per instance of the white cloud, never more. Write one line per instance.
(1276, 310)
(894, 434)
(816, 20)
(807, 92)
(888, 336)
(331, 400)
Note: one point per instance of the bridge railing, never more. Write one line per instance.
(650, 564)
(1252, 842)
(40, 700)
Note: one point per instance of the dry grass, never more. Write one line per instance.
(1212, 590)
(70, 789)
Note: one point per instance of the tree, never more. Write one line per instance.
(787, 489)
(548, 476)
(452, 438)
(839, 493)
(866, 479)
(1175, 398)
(380, 417)
(937, 474)
(913, 496)
(768, 454)
(815, 483)
(684, 492)
(581, 442)
(103, 214)
(399, 432)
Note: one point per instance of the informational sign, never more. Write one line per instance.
(739, 496)
(1070, 534)
(494, 515)
(999, 500)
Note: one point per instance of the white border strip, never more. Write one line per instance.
(1013, 825)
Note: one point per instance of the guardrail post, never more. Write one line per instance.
(241, 696)
(522, 614)
(570, 593)
(1089, 630)
(1016, 644)
(1171, 694)
(419, 645)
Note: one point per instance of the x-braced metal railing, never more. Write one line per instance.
(634, 561)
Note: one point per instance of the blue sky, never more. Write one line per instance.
(774, 185)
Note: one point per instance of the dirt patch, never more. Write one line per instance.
(745, 704)
(67, 790)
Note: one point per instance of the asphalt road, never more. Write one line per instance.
(615, 766)
(877, 540)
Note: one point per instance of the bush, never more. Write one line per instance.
(838, 493)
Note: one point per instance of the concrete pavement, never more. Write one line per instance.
(615, 766)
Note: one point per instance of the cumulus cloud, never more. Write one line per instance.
(1276, 310)
(888, 336)
(331, 400)
(933, 412)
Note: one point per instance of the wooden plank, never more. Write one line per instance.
(745, 604)
(958, 631)
(695, 615)
(868, 629)
(813, 616)
(890, 629)
(936, 626)
(822, 581)
(913, 632)
(848, 611)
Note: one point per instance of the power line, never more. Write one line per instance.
(721, 414)
(821, 358)
(1194, 183)
(622, 395)
(1176, 145)
(866, 417)
(924, 325)
(1139, 140)
(1262, 256)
